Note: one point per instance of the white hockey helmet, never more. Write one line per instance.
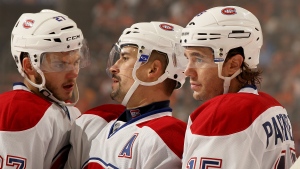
(222, 29)
(149, 36)
(46, 31)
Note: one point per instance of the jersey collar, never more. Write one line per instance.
(20, 86)
(249, 89)
(146, 111)
(136, 112)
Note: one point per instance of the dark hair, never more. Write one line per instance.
(247, 76)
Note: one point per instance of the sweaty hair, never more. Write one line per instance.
(247, 76)
(169, 84)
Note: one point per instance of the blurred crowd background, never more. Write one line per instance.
(102, 22)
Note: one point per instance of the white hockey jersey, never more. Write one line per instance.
(86, 128)
(148, 141)
(245, 130)
(34, 133)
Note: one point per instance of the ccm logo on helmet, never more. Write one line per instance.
(28, 23)
(166, 27)
(73, 37)
(228, 11)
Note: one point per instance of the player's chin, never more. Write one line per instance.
(197, 96)
(65, 96)
(116, 98)
(114, 95)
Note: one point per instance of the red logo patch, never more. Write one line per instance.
(28, 23)
(134, 113)
(166, 27)
(228, 11)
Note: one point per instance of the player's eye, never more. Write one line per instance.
(124, 58)
(198, 60)
(58, 66)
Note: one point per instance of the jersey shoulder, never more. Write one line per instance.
(230, 113)
(107, 111)
(168, 128)
(21, 110)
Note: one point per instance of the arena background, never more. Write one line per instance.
(102, 22)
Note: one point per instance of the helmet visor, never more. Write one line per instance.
(122, 57)
(179, 60)
(65, 61)
(200, 57)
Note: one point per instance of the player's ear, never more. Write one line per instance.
(232, 65)
(27, 67)
(155, 68)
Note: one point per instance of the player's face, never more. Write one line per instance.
(122, 72)
(203, 73)
(62, 83)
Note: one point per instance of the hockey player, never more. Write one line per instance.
(237, 126)
(36, 116)
(145, 67)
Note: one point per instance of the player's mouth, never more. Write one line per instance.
(69, 87)
(195, 86)
(115, 79)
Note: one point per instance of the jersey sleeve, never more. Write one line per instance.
(86, 128)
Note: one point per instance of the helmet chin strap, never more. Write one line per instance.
(137, 82)
(130, 92)
(227, 80)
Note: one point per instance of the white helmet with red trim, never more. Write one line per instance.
(222, 29)
(46, 31)
(149, 36)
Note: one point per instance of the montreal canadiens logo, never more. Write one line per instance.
(228, 11)
(166, 27)
(134, 113)
(28, 23)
